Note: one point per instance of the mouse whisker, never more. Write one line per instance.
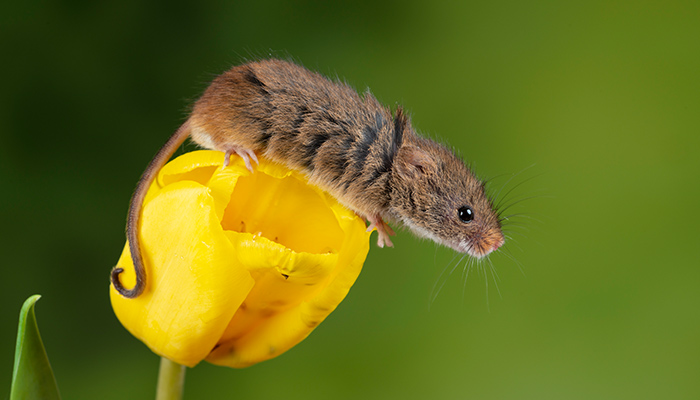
(465, 274)
(517, 185)
(442, 279)
(514, 240)
(508, 202)
(497, 196)
(511, 204)
(489, 181)
(481, 269)
(494, 275)
(517, 228)
(507, 218)
(510, 255)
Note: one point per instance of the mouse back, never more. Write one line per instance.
(343, 141)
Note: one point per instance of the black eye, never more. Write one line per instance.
(465, 214)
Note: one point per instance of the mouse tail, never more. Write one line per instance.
(135, 207)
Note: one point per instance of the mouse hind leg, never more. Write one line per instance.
(201, 135)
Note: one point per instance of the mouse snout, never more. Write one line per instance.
(485, 242)
(492, 242)
(498, 243)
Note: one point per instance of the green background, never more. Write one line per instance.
(600, 99)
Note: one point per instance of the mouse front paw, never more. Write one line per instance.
(383, 230)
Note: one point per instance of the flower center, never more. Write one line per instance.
(286, 211)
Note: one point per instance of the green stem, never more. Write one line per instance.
(171, 380)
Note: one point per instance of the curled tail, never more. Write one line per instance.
(135, 207)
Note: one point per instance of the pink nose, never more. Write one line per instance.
(498, 243)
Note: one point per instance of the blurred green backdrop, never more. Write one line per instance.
(601, 96)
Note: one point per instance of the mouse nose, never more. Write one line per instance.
(498, 243)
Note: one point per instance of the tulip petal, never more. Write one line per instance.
(274, 323)
(193, 287)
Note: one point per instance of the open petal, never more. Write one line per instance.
(304, 251)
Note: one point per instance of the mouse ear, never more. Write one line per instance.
(412, 162)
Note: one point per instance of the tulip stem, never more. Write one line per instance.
(171, 380)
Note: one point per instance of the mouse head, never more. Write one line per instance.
(436, 196)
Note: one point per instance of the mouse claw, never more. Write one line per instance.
(383, 230)
(383, 240)
(244, 153)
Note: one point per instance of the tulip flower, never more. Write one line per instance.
(241, 266)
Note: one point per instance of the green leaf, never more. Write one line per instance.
(32, 377)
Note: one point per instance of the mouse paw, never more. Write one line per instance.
(383, 230)
(244, 153)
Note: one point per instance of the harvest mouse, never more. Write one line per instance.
(370, 160)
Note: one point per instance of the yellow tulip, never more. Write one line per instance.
(241, 266)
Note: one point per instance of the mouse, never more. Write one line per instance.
(369, 158)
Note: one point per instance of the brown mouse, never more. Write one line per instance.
(373, 162)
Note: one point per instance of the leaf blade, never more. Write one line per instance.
(32, 377)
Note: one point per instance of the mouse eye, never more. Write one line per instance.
(465, 214)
